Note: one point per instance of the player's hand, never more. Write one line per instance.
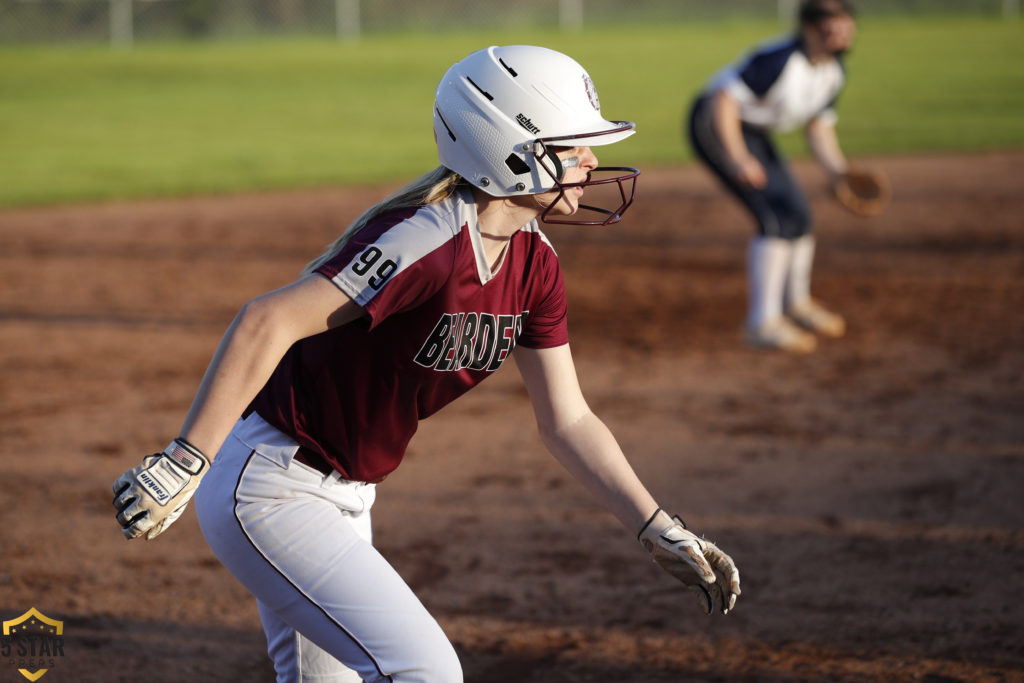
(862, 191)
(750, 173)
(698, 563)
(151, 496)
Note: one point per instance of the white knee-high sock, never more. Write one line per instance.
(798, 282)
(768, 262)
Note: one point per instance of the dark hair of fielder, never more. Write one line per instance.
(813, 11)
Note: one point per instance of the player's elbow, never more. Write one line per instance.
(558, 431)
(262, 323)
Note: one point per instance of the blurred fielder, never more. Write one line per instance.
(317, 387)
(777, 87)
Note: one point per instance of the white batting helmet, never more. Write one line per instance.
(498, 111)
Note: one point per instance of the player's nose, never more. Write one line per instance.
(588, 160)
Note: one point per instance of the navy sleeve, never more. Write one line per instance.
(763, 68)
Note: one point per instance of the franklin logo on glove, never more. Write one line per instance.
(153, 488)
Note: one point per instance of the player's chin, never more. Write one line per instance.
(839, 43)
(568, 204)
(564, 208)
(560, 203)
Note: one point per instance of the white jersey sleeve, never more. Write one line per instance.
(779, 89)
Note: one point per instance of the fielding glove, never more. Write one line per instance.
(697, 562)
(151, 496)
(862, 191)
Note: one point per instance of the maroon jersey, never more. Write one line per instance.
(438, 323)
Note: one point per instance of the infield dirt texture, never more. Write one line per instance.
(871, 493)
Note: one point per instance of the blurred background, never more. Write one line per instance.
(117, 99)
(123, 21)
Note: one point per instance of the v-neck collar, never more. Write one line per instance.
(483, 266)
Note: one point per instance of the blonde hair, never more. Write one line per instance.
(430, 188)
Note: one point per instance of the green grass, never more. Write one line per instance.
(87, 123)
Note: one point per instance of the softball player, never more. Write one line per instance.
(779, 86)
(424, 296)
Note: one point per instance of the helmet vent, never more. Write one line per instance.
(480, 90)
(445, 123)
(507, 67)
(516, 165)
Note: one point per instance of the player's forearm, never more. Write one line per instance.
(589, 451)
(247, 355)
(824, 145)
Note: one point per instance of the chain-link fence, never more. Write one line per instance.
(123, 22)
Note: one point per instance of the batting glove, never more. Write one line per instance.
(697, 562)
(151, 496)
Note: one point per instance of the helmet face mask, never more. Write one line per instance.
(599, 213)
(620, 197)
(499, 112)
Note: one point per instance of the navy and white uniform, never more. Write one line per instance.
(286, 505)
(778, 89)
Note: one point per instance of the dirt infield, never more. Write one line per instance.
(870, 493)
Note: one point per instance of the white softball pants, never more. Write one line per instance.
(332, 607)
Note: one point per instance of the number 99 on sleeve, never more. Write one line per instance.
(371, 266)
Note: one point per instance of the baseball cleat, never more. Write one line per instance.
(811, 315)
(782, 335)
